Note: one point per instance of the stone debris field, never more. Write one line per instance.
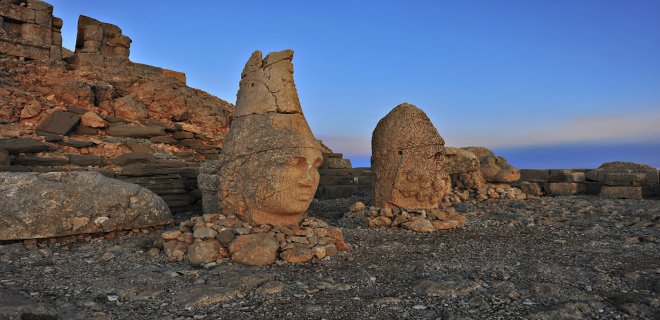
(126, 194)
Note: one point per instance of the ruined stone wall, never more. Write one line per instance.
(29, 30)
(622, 180)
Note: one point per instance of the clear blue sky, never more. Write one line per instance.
(513, 75)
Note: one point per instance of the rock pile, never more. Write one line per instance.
(419, 220)
(216, 237)
(407, 160)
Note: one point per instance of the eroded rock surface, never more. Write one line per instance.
(407, 161)
(268, 170)
(493, 168)
(42, 205)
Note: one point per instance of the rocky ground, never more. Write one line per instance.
(546, 258)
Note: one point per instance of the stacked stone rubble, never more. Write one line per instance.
(217, 237)
(29, 30)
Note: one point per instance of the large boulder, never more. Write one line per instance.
(42, 205)
(407, 161)
(493, 168)
(268, 170)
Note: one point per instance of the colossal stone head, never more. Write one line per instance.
(408, 161)
(269, 166)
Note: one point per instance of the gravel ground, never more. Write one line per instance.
(547, 258)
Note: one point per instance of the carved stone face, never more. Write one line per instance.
(273, 187)
(293, 187)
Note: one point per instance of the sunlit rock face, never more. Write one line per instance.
(408, 161)
(268, 171)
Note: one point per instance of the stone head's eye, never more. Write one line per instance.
(299, 162)
(318, 162)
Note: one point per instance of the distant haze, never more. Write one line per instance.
(549, 83)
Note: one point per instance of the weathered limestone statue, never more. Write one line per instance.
(268, 170)
(407, 161)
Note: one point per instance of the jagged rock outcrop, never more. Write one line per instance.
(408, 161)
(268, 170)
(493, 168)
(43, 205)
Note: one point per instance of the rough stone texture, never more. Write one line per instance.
(464, 168)
(59, 123)
(19, 145)
(41, 205)
(5, 160)
(205, 251)
(494, 169)
(564, 188)
(408, 161)
(268, 169)
(207, 182)
(254, 249)
(614, 192)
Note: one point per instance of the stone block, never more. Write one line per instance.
(36, 35)
(613, 192)
(86, 131)
(624, 179)
(566, 176)
(135, 132)
(77, 143)
(593, 188)
(591, 175)
(534, 174)
(43, 19)
(55, 53)
(20, 145)
(87, 160)
(59, 122)
(564, 188)
(531, 188)
(40, 161)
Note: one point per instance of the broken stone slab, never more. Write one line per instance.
(77, 143)
(613, 192)
(60, 122)
(87, 160)
(135, 132)
(229, 287)
(20, 145)
(43, 205)
(134, 158)
(40, 161)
